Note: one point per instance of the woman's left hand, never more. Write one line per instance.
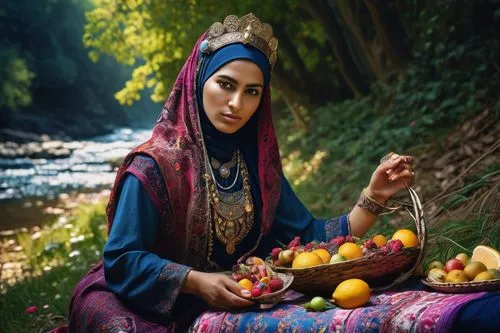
(391, 176)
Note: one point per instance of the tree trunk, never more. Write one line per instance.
(353, 77)
(295, 100)
(345, 10)
(287, 46)
(390, 32)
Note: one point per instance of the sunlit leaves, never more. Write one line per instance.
(15, 81)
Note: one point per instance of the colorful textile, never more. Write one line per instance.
(407, 311)
(94, 308)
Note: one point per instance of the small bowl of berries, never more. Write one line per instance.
(265, 285)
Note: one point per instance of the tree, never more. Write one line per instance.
(391, 32)
(322, 12)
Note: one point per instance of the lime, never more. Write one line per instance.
(318, 303)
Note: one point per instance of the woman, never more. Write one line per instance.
(205, 190)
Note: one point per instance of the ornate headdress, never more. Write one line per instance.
(247, 30)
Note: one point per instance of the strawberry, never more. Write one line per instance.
(275, 284)
(349, 239)
(339, 240)
(256, 292)
(370, 244)
(267, 290)
(395, 245)
(309, 247)
(277, 263)
(240, 276)
(275, 253)
(294, 242)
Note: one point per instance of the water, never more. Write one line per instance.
(88, 169)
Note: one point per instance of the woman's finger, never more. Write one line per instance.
(237, 293)
(399, 169)
(394, 162)
(406, 174)
(235, 300)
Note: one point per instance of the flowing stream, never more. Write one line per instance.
(29, 185)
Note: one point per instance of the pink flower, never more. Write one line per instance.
(31, 309)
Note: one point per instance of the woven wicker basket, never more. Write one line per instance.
(379, 271)
(466, 287)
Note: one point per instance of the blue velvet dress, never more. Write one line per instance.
(132, 271)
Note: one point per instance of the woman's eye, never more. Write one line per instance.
(253, 92)
(225, 85)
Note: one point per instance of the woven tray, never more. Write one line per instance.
(276, 296)
(379, 271)
(466, 287)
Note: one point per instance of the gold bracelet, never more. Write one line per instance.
(370, 204)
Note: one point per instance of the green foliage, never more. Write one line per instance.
(454, 237)
(15, 81)
(54, 72)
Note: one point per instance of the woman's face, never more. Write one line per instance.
(232, 95)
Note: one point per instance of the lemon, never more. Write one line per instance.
(350, 251)
(351, 293)
(323, 254)
(246, 284)
(306, 259)
(407, 237)
(380, 240)
(487, 255)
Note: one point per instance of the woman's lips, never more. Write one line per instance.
(230, 118)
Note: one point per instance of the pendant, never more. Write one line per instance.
(230, 248)
(224, 171)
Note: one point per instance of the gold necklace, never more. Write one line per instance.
(232, 213)
(224, 168)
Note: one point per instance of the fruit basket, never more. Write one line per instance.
(464, 287)
(380, 271)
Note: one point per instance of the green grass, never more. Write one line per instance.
(58, 258)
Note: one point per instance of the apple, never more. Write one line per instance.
(453, 264)
(464, 258)
(456, 276)
(337, 258)
(286, 257)
(435, 264)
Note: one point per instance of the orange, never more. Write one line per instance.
(350, 251)
(265, 280)
(306, 259)
(246, 284)
(380, 240)
(487, 255)
(323, 254)
(351, 293)
(406, 236)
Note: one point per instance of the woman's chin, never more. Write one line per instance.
(227, 129)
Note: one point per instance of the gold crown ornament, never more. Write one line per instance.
(247, 30)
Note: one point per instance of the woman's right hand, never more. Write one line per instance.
(218, 290)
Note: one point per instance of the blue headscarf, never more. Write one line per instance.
(222, 145)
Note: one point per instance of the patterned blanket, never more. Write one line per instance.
(406, 311)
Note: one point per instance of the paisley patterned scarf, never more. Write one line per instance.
(177, 146)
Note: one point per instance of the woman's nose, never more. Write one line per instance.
(236, 102)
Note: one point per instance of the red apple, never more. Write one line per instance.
(453, 264)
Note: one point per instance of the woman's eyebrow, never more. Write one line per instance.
(230, 79)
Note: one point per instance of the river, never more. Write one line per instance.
(28, 186)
